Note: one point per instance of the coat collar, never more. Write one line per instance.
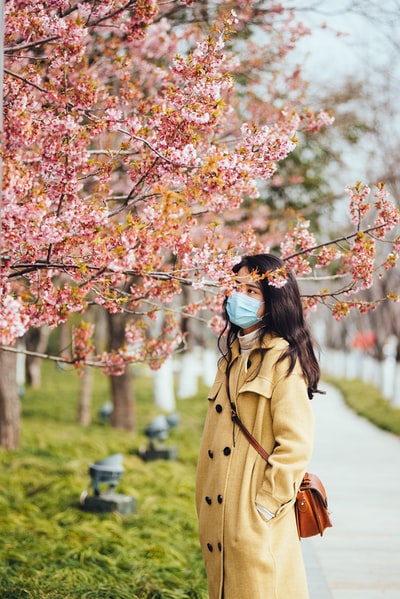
(269, 341)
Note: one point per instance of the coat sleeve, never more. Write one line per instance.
(293, 430)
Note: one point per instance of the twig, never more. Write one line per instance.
(333, 242)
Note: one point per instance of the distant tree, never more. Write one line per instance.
(9, 402)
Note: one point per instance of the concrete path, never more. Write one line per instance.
(359, 558)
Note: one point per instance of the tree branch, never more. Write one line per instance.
(333, 242)
(17, 76)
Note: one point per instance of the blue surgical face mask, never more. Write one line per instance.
(242, 310)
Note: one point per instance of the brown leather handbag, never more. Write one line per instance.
(311, 505)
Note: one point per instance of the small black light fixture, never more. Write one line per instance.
(158, 430)
(105, 475)
(107, 471)
(105, 412)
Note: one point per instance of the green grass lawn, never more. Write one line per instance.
(367, 401)
(50, 547)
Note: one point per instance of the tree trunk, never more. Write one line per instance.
(86, 380)
(10, 410)
(163, 383)
(36, 340)
(64, 338)
(123, 414)
(85, 396)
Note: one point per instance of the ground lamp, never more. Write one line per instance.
(106, 411)
(105, 475)
(158, 430)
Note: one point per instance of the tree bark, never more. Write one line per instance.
(85, 396)
(10, 409)
(123, 414)
(36, 341)
(64, 338)
(84, 416)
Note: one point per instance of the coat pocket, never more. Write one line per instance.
(282, 511)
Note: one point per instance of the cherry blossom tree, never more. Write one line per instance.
(135, 133)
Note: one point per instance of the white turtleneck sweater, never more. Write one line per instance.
(246, 343)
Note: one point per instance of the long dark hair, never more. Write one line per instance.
(283, 315)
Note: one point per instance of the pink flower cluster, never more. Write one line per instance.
(363, 260)
(359, 206)
(82, 343)
(297, 247)
(14, 322)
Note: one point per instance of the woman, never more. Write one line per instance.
(245, 506)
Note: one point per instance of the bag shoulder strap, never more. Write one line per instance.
(246, 432)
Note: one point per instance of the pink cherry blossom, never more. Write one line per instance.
(130, 170)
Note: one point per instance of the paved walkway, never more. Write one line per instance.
(359, 558)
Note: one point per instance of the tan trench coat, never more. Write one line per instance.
(246, 556)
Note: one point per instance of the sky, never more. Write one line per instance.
(369, 32)
(368, 48)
